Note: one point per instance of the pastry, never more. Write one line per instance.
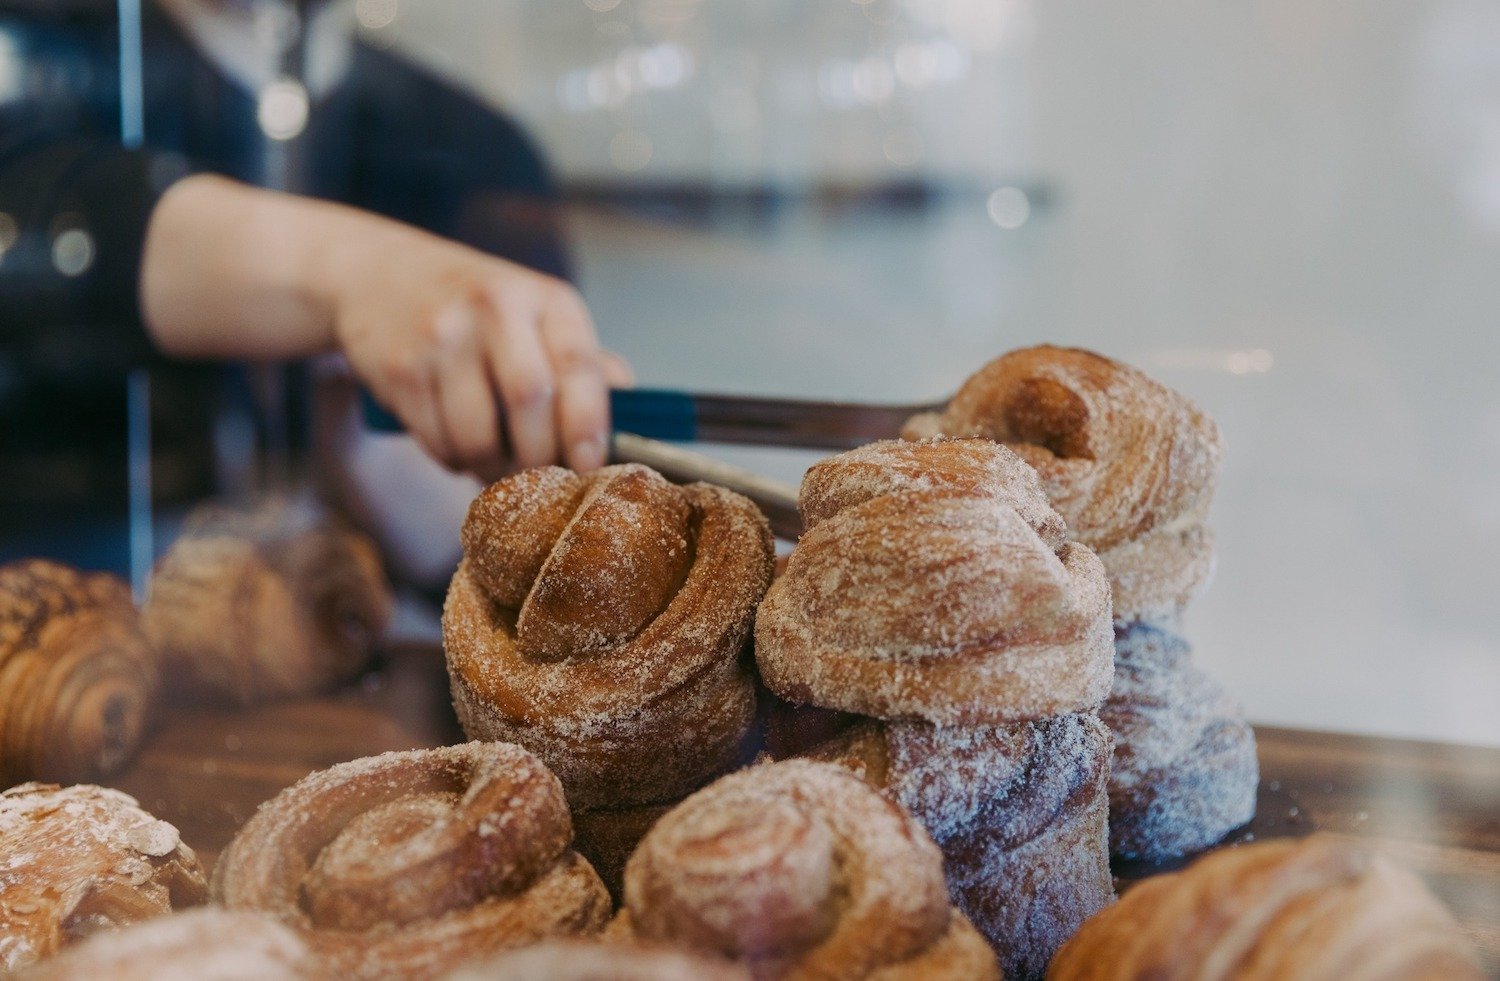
(279, 602)
(607, 836)
(600, 620)
(1130, 464)
(1185, 770)
(77, 679)
(935, 582)
(799, 869)
(584, 960)
(937, 590)
(74, 860)
(1018, 811)
(1318, 909)
(208, 944)
(408, 864)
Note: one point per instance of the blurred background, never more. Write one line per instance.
(1288, 210)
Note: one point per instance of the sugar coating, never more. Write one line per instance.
(1185, 770)
(76, 859)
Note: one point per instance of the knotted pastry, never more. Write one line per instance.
(78, 859)
(1318, 909)
(77, 678)
(1184, 771)
(408, 864)
(1130, 464)
(279, 602)
(585, 960)
(935, 582)
(599, 621)
(800, 870)
(206, 944)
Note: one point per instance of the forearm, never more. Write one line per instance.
(233, 271)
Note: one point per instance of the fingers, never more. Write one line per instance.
(582, 410)
(465, 395)
(519, 363)
(617, 371)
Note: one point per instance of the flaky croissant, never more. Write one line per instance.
(78, 681)
(1130, 464)
(408, 864)
(278, 602)
(75, 860)
(1318, 909)
(935, 582)
(800, 870)
(599, 621)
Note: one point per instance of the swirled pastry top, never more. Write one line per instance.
(78, 680)
(74, 860)
(406, 864)
(936, 582)
(1318, 909)
(1120, 455)
(800, 869)
(598, 620)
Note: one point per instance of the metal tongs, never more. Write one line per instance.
(642, 418)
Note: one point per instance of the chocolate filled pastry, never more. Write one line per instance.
(78, 681)
(800, 870)
(206, 944)
(1185, 770)
(1018, 811)
(935, 582)
(408, 864)
(1130, 464)
(1315, 909)
(279, 602)
(75, 860)
(600, 622)
(585, 960)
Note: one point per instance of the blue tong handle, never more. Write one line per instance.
(655, 413)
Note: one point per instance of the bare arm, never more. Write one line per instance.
(443, 335)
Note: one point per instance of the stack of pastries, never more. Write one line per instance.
(936, 594)
(1132, 466)
(932, 797)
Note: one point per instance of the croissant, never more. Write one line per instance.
(800, 870)
(408, 864)
(279, 602)
(1130, 464)
(207, 944)
(935, 582)
(599, 621)
(78, 681)
(74, 860)
(584, 960)
(1185, 770)
(1020, 812)
(1309, 910)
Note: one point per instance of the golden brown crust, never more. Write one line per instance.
(800, 870)
(592, 960)
(1185, 770)
(1130, 464)
(1309, 910)
(208, 944)
(78, 681)
(599, 621)
(279, 602)
(1020, 813)
(409, 863)
(78, 859)
(909, 598)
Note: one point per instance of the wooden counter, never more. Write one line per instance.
(1434, 808)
